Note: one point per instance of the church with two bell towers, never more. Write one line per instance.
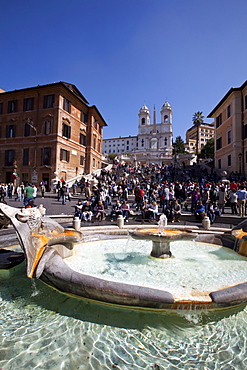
(153, 144)
(156, 137)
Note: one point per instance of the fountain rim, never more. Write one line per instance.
(220, 299)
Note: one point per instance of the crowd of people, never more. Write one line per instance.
(145, 191)
(25, 193)
(156, 189)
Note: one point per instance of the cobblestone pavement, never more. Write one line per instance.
(50, 202)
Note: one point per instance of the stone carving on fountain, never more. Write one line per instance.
(37, 233)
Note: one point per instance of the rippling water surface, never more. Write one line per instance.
(41, 328)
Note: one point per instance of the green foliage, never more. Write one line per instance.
(178, 146)
(198, 117)
(208, 150)
(112, 156)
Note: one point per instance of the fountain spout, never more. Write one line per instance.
(162, 223)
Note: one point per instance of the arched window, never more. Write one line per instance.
(143, 121)
(165, 141)
(165, 118)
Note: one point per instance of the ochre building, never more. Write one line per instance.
(48, 132)
(230, 120)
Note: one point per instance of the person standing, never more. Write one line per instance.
(63, 193)
(241, 194)
(233, 199)
(28, 194)
(42, 188)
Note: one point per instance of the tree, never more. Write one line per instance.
(208, 149)
(178, 146)
(112, 156)
(197, 119)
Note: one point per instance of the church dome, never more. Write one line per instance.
(166, 106)
(144, 109)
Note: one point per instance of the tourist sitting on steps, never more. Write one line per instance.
(199, 211)
(100, 211)
(177, 211)
(126, 210)
(116, 210)
(78, 209)
(152, 212)
(87, 212)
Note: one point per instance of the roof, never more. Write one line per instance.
(232, 89)
(72, 88)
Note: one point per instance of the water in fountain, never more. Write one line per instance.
(53, 331)
(195, 270)
(162, 223)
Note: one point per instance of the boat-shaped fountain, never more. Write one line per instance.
(49, 250)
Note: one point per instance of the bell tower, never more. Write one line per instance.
(144, 116)
(166, 116)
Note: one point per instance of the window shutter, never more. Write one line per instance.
(41, 156)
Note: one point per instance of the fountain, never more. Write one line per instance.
(48, 248)
(162, 237)
(72, 333)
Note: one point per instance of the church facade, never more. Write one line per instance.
(153, 144)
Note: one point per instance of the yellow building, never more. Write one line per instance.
(205, 132)
(48, 131)
(230, 119)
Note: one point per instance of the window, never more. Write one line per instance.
(47, 127)
(165, 118)
(94, 142)
(143, 121)
(9, 157)
(82, 159)
(229, 160)
(64, 155)
(229, 137)
(245, 131)
(46, 156)
(10, 131)
(99, 145)
(219, 163)
(228, 111)
(219, 120)
(219, 143)
(48, 101)
(66, 105)
(27, 129)
(245, 101)
(66, 130)
(12, 106)
(28, 104)
(82, 139)
(1, 108)
(84, 117)
(25, 157)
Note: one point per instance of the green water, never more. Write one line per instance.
(44, 329)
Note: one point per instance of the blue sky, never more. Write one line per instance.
(123, 53)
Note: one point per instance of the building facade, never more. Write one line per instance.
(46, 132)
(153, 142)
(230, 119)
(120, 145)
(204, 131)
